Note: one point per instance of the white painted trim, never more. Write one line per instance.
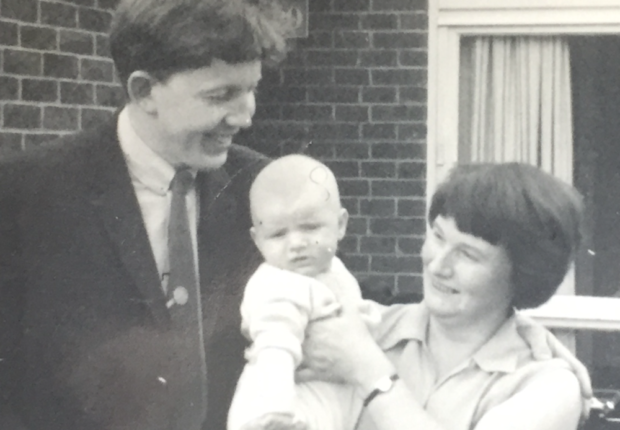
(579, 313)
(524, 4)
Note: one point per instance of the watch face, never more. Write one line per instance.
(385, 384)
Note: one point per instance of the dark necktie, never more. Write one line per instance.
(185, 310)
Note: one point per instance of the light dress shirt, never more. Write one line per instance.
(151, 176)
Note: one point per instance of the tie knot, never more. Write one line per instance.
(182, 182)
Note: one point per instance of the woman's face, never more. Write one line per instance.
(465, 276)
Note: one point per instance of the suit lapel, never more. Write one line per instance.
(114, 199)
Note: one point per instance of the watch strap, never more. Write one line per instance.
(384, 385)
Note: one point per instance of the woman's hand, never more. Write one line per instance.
(341, 349)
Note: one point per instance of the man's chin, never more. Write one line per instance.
(210, 162)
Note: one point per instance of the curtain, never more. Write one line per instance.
(516, 102)
(515, 105)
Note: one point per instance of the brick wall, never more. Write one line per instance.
(55, 73)
(352, 94)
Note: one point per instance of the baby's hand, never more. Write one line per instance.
(275, 421)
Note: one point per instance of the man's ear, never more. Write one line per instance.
(343, 219)
(140, 90)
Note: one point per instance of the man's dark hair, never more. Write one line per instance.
(163, 37)
(534, 216)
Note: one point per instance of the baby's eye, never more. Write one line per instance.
(310, 227)
(277, 234)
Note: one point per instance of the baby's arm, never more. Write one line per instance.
(276, 308)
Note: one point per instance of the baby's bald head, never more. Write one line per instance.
(293, 179)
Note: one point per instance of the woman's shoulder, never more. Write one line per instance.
(401, 322)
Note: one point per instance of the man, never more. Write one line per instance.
(117, 285)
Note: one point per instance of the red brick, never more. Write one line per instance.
(22, 62)
(351, 5)
(38, 90)
(58, 14)
(412, 94)
(281, 131)
(8, 33)
(413, 21)
(352, 40)
(378, 207)
(335, 94)
(329, 21)
(379, 95)
(307, 76)
(354, 187)
(93, 117)
(308, 112)
(111, 96)
(396, 226)
(413, 77)
(332, 58)
(334, 131)
(38, 139)
(351, 204)
(320, 6)
(400, 5)
(60, 118)
(323, 151)
(380, 21)
(102, 46)
(397, 188)
(22, 10)
(21, 116)
(10, 143)
(81, 2)
(412, 170)
(60, 66)
(411, 207)
(317, 39)
(292, 94)
(356, 263)
(356, 151)
(409, 285)
(394, 40)
(377, 287)
(96, 70)
(77, 42)
(38, 38)
(379, 131)
(345, 169)
(398, 151)
(9, 88)
(398, 113)
(383, 58)
(349, 244)
(413, 57)
(352, 113)
(412, 131)
(107, 4)
(395, 264)
(410, 245)
(378, 245)
(94, 20)
(378, 169)
(268, 112)
(76, 93)
(357, 225)
(352, 76)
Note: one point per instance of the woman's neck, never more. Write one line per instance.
(451, 342)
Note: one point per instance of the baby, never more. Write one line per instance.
(297, 223)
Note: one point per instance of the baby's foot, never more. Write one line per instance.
(275, 421)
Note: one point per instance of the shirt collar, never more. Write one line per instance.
(501, 353)
(145, 165)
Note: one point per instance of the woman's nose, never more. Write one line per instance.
(242, 110)
(438, 262)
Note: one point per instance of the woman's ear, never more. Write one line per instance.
(343, 219)
(140, 91)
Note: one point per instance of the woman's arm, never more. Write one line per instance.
(550, 402)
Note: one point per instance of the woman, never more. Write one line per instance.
(501, 237)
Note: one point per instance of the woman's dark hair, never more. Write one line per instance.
(534, 216)
(163, 37)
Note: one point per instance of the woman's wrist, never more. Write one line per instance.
(370, 371)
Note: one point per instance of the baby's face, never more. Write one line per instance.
(299, 236)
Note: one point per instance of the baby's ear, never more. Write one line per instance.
(253, 233)
(343, 219)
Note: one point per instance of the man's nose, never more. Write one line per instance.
(242, 110)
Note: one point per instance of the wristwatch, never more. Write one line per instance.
(383, 385)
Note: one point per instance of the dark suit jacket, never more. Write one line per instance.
(84, 340)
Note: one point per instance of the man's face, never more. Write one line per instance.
(197, 112)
